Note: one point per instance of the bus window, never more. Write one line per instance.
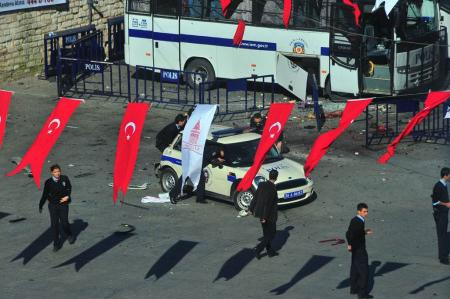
(192, 8)
(306, 14)
(273, 13)
(421, 18)
(140, 6)
(213, 10)
(166, 7)
(243, 11)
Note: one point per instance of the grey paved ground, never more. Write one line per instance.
(203, 251)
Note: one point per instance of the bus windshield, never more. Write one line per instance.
(421, 18)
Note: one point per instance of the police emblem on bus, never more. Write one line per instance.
(299, 48)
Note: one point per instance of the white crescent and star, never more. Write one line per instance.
(133, 126)
(278, 126)
(54, 121)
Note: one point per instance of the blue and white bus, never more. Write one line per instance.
(380, 56)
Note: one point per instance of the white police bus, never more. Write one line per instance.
(381, 56)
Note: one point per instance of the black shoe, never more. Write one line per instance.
(257, 253)
(365, 296)
(272, 253)
(353, 292)
(444, 261)
(56, 247)
(201, 201)
(173, 201)
(71, 239)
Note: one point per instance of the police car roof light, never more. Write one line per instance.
(227, 132)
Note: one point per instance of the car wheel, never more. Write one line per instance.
(242, 199)
(201, 66)
(168, 179)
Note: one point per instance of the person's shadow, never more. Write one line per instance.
(422, 287)
(3, 215)
(386, 268)
(45, 239)
(312, 265)
(170, 258)
(235, 264)
(97, 249)
(281, 238)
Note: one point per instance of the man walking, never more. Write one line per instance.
(165, 137)
(265, 207)
(441, 206)
(57, 191)
(356, 238)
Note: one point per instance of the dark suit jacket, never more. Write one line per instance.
(356, 235)
(54, 191)
(166, 136)
(265, 203)
(440, 193)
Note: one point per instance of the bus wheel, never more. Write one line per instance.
(199, 71)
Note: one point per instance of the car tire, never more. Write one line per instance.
(168, 179)
(199, 65)
(242, 199)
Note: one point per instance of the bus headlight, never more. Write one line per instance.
(258, 179)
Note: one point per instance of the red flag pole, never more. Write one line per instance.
(5, 99)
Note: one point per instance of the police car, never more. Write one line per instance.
(221, 181)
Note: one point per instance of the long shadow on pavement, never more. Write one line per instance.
(45, 239)
(422, 287)
(96, 250)
(386, 268)
(170, 258)
(281, 237)
(235, 264)
(314, 264)
(3, 215)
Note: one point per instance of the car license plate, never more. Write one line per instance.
(293, 194)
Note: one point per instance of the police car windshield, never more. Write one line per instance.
(242, 154)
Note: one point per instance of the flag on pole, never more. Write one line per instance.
(47, 137)
(276, 119)
(5, 98)
(193, 143)
(356, 10)
(239, 34)
(352, 110)
(128, 146)
(388, 5)
(433, 100)
(287, 8)
(225, 4)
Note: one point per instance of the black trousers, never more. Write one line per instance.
(59, 214)
(441, 219)
(359, 272)
(269, 231)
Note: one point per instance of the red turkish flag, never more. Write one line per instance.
(287, 8)
(352, 110)
(239, 34)
(128, 146)
(277, 117)
(356, 10)
(433, 100)
(5, 98)
(48, 136)
(225, 4)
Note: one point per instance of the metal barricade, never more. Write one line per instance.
(61, 40)
(386, 118)
(89, 77)
(116, 38)
(241, 95)
(165, 86)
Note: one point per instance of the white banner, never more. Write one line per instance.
(447, 115)
(193, 142)
(8, 5)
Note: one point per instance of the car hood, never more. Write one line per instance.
(287, 170)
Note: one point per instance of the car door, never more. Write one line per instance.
(217, 178)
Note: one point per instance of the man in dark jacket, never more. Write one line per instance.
(441, 206)
(265, 207)
(165, 137)
(356, 239)
(57, 191)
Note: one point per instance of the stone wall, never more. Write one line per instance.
(22, 33)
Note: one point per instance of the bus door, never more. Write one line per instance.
(291, 76)
(166, 34)
(344, 50)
